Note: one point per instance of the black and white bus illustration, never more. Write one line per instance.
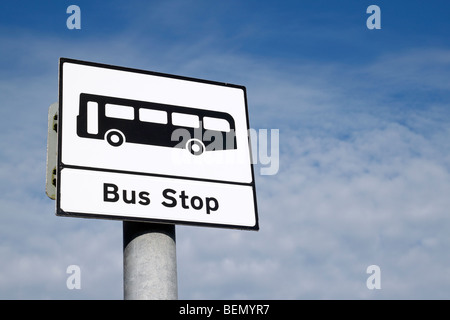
(120, 121)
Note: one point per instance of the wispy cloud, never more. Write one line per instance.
(356, 187)
(364, 175)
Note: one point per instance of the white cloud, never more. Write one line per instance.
(323, 224)
(357, 186)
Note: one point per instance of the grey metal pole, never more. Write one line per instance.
(149, 261)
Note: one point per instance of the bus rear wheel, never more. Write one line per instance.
(195, 146)
(115, 138)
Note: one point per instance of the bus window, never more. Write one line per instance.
(118, 111)
(185, 120)
(92, 117)
(155, 116)
(216, 124)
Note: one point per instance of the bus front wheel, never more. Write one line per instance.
(115, 138)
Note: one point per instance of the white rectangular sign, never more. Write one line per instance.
(140, 145)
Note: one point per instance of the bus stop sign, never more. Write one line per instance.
(146, 146)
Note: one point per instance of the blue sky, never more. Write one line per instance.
(363, 118)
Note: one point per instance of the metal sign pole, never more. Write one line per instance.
(149, 261)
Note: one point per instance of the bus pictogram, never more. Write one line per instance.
(118, 121)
